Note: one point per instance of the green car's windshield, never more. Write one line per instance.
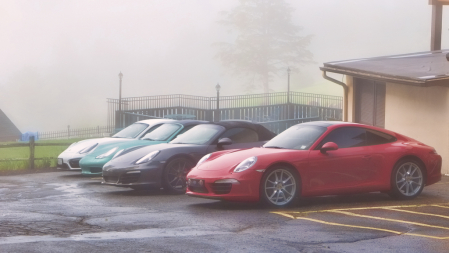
(131, 131)
(201, 134)
(296, 137)
(162, 133)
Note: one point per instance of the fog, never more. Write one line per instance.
(60, 60)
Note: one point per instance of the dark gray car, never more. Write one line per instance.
(166, 165)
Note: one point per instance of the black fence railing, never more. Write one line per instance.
(87, 132)
(254, 107)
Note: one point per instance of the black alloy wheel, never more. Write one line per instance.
(280, 187)
(175, 172)
(407, 179)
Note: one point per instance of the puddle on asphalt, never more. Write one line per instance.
(136, 234)
(68, 188)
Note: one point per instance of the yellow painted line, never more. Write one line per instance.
(284, 214)
(387, 219)
(441, 206)
(428, 214)
(364, 208)
(96, 178)
(371, 228)
(351, 226)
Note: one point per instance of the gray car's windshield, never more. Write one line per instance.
(131, 131)
(296, 137)
(162, 133)
(201, 134)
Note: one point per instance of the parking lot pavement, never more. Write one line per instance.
(429, 220)
(66, 212)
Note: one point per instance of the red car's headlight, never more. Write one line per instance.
(246, 164)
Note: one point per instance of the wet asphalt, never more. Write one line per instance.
(67, 212)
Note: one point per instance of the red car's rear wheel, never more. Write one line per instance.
(407, 180)
(280, 187)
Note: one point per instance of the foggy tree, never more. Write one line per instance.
(266, 43)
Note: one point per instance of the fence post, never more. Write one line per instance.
(31, 153)
(68, 132)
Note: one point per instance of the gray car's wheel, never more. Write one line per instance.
(407, 179)
(174, 176)
(280, 187)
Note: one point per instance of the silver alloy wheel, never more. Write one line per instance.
(409, 179)
(280, 187)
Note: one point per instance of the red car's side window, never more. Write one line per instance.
(375, 137)
(346, 137)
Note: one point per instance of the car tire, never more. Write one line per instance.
(280, 187)
(174, 175)
(407, 179)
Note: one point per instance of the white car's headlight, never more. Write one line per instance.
(148, 157)
(118, 153)
(88, 149)
(110, 152)
(204, 158)
(246, 164)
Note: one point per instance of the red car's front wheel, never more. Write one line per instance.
(280, 187)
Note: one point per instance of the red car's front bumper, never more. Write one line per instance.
(246, 188)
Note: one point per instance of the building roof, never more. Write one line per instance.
(420, 69)
(8, 131)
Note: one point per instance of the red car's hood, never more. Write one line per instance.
(265, 156)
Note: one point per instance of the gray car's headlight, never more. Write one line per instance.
(88, 149)
(110, 152)
(246, 164)
(148, 157)
(204, 158)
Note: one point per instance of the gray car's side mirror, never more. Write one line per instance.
(328, 146)
(224, 141)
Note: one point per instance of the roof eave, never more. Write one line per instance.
(374, 76)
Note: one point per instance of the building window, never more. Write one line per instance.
(369, 102)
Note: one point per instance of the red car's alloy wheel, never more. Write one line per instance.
(175, 175)
(408, 180)
(279, 187)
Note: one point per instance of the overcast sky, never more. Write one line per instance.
(60, 60)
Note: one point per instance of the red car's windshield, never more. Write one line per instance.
(296, 137)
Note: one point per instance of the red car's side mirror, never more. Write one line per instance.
(328, 146)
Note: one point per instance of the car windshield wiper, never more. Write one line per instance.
(273, 147)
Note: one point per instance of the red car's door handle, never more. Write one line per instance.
(367, 157)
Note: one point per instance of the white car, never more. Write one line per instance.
(69, 158)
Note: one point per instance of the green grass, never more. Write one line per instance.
(48, 152)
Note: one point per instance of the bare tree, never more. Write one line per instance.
(266, 43)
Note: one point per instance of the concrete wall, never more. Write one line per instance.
(421, 113)
(351, 103)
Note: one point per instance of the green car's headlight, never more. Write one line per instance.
(118, 153)
(148, 157)
(110, 152)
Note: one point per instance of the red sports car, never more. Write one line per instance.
(318, 158)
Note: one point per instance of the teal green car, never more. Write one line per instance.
(92, 164)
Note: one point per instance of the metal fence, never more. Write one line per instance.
(254, 107)
(87, 132)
